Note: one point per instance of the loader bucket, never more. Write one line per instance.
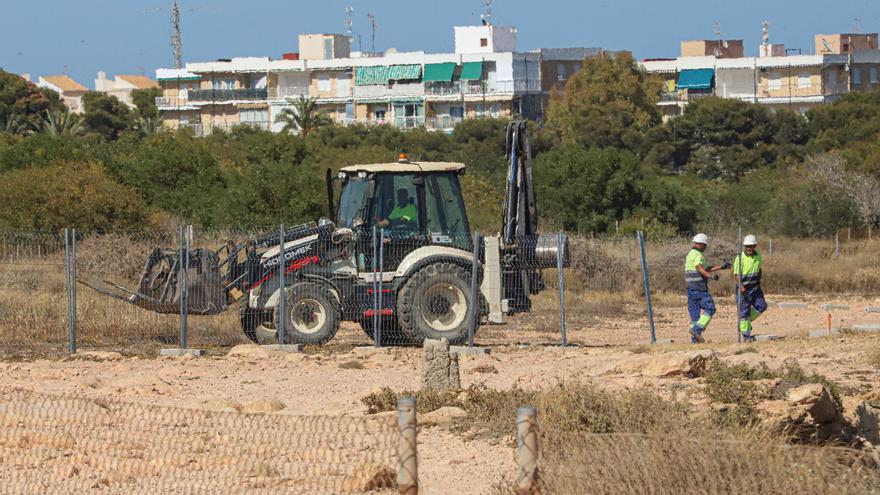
(159, 289)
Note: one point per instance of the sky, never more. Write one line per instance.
(45, 37)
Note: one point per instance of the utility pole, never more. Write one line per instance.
(348, 22)
(176, 43)
(372, 19)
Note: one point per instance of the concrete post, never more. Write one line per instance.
(408, 470)
(475, 292)
(527, 477)
(560, 266)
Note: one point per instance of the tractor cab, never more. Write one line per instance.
(413, 204)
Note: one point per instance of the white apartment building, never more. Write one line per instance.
(485, 76)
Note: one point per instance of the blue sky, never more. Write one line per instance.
(127, 36)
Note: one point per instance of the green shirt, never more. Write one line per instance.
(693, 278)
(408, 213)
(750, 269)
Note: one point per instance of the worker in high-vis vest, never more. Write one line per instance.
(697, 273)
(747, 268)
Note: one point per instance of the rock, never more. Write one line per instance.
(811, 414)
(262, 406)
(869, 421)
(692, 364)
(97, 356)
(443, 417)
(368, 477)
(224, 405)
(439, 366)
(248, 351)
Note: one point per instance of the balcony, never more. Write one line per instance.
(683, 96)
(389, 92)
(409, 122)
(450, 88)
(202, 95)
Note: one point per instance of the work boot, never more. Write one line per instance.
(748, 338)
(696, 338)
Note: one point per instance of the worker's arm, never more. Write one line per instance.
(708, 273)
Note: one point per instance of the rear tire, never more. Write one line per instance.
(312, 316)
(392, 333)
(250, 320)
(436, 303)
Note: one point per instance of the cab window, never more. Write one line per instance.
(396, 206)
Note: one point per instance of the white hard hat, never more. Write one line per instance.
(701, 239)
(750, 240)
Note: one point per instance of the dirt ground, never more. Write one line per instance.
(610, 352)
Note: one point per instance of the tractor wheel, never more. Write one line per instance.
(436, 303)
(311, 316)
(250, 320)
(392, 333)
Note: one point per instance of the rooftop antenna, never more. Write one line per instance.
(348, 22)
(486, 17)
(176, 42)
(718, 29)
(372, 19)
(765, 33)
(858, 24)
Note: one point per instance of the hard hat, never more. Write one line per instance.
(750, 240)
(701, 239)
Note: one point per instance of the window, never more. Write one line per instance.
(396, 201)
(857, 76)
(323, 82)
(444, 208)
(380, 114)
(560, 72)
(873, 75)
(457, 112)
(484, 41)
(343, 86)
(832, 77)
(804, 80)
(774, 82)
(253, 115)
(328, 48)
(351, 202)
(479, 109)
(495, 109)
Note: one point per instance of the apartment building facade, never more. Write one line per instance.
(484, 77)
(795, 82)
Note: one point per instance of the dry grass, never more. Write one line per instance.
(874, 357)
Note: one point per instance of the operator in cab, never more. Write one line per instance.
(404, 213)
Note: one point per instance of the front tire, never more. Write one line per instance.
(311, 316)
(436, 303)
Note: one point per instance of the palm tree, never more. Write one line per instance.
(14, 124)
(147, 126)
(59, 123)
(303, 117)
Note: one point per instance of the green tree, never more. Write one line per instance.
(69, 194)
(105, 115)
(303, 117)
(851, 125)
(145, 102)
(22, 102)
(609, 102)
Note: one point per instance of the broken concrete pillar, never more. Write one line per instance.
(439, 366)
(869, 421)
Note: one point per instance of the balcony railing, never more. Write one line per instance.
(288, 92)
(684, 95)
(442, 122)
(228, 94)
(409, 122)
(450, 88)
(395, 90)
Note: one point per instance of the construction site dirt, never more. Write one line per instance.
(610, 353)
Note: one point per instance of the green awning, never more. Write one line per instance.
(696, 79)
(471, 71)
(439, 72)
(381, 74)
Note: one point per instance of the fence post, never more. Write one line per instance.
(183, 260)
(837, 244)
(71, 282)
(282, 316)
(475, 294)
(408, 470)
(375, 288)
(73, 290)
(379, 300)
(736, 290)
(560, 262)
(770, 248)
(646, 281)
(527, 477)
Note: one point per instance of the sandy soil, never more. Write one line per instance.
(610, 354)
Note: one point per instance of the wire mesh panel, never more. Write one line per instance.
(33, 312)
(59, 444)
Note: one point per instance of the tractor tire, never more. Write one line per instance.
(435, 303)
(312, 316)
(250, 320)
(392, 333)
